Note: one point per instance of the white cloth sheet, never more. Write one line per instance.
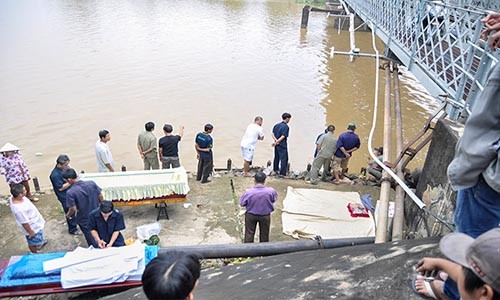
(89, 266)
(311, 212)
(137, 185)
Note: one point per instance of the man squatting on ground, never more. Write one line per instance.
(103, 154)
(82, 198)
(347, 143)
(105, 224)
(253, 134)
(146, 144)
(259, 202)
(169, 147)
(61, 186)
(172, 275)
(326, 146)
(28, 218)
(475, 169)
(203, 145)
(280, 137)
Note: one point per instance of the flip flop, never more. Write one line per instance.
(428, 287)
(42, 245)
(34, 199)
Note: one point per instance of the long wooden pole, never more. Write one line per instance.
(399, 202)
(385, 189)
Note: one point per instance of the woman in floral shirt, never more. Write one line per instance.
(15, 170)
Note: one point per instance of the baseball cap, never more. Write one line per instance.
(481, 255)
(351, 126)
(379, 149)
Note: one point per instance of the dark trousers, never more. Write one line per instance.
(280, 160)
(205, 166)
(71, 222)
(251, 222)
(84, 227)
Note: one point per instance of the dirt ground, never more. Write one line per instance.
(213, 218)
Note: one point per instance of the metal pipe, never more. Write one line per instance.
(385, 187)
(398, 221)
(265, 249)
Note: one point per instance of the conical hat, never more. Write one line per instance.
(9, 147)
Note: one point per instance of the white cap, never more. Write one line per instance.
(9, 147)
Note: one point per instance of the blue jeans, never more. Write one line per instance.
(37, 240)
(280, 160)
(477, 211)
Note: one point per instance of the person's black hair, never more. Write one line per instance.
(103, 133)
(172, 275)
(330, 128)
(258, 118)
(285, 116)
(208, 127)
(16, 189)
(62, 159)
(106, 206)
(69, 173)
(168, 128)
(260, 177)
(149, 126)
(380, 150)
(473, 282)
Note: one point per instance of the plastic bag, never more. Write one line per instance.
(144, 232)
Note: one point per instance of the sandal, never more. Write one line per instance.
(431, 292)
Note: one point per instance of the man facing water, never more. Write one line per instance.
(280, 137)
(146, 144)
(253, 134)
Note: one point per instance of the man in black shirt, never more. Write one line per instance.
(168, 147)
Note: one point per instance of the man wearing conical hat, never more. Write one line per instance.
(15, 170)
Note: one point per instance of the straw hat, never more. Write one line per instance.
(9, 147)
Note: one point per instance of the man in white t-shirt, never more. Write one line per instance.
(28, 218)
(103, 154)
(253, 134)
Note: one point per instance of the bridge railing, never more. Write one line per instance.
(439, 42)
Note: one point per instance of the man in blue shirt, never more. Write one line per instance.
(203, 145)
(82, 198)
(259, 202)
(280, 136)
(60, 187)
(347, 143)
(105, 224)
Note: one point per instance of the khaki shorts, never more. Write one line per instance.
(339, 163)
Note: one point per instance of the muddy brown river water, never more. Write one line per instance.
(70, 68)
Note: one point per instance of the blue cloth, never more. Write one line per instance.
(281, 129)
(259, 200)
(29, 269)
(204, 141)
(105, 229)
(477, 211)
(85, 195)
(280, 160)
(367, 201)
(37, 240)
(57, 182)
(348, 140)
(316, 143)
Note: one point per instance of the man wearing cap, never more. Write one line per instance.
(347, 143)
(16, 170)
(326, 145)
(60, 186)
(105, 224)
(373, 168)
(82, 198)
(146, 145)
(474, 265)
(103, 154)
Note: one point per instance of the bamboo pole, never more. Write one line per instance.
(385, 189)
(398, 222)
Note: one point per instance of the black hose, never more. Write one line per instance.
(265, 249)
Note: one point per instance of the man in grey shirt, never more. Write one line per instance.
(146, 145)
(327, 145)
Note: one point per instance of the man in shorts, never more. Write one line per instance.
(253, 134)
(28, 218)
(347, 143)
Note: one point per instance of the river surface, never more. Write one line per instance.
(69, 68)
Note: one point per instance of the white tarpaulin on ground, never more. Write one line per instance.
(311, 212)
